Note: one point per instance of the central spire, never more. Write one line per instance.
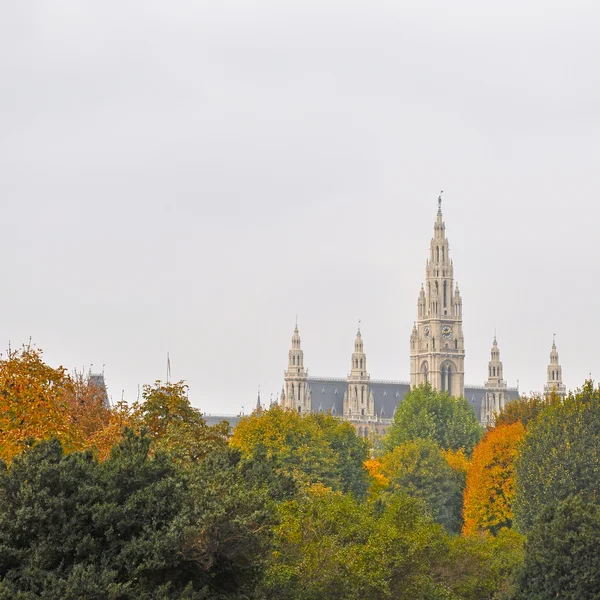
(437, 346)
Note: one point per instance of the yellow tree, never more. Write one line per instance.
(120, 417)
(490, 486)
(34, 403)
(314, 448)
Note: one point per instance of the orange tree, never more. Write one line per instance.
(314, 448)
(491, 480)
(34, 403)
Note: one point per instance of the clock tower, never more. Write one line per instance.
(437, 349)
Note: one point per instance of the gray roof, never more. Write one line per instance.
(329, 393)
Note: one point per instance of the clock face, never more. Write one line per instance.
(447, 332)
(426, 331)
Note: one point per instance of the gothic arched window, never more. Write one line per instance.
(437, 254)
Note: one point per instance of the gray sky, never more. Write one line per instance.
(189, 176)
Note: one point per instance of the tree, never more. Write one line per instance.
(481, 567)
(419, 469)
(561, 553)
(121, 417)
(429, 414)
(134, 526)
(34, 403)
(560, 456)
(327, 545)
(490, 485)
(315, 448)
(175, 426)
(522, 410)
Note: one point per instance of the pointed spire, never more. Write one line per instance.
(258, 405)
(439, 222)
(555, 381)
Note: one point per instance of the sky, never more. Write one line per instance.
(188, 177)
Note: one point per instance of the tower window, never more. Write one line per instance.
(437, 254)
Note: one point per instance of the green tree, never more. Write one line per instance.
(315, 448)
(482, 567)
(560, 455)
(522, 410)
(328, 545)
(561, 553)
(175, 426)
(134, 526)
(419, 469)
(429, 414)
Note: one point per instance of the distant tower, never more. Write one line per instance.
(555, 382)
(296, 394)
(495, 389)
(358, 400)
(437, 348)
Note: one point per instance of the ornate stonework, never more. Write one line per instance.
(555, 382)
(437, 348)
(295, 393)
(495, 388)
(358, 399)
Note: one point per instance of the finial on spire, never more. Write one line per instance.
(359, 322)
(495, 336)
(440, 202)
(553, 339)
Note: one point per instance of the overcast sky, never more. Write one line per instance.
(186, 177)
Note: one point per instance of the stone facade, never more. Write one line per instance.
(358, 399)
(495, 388)
(437, 356)
(437, 345)
(555, 383)
(295, 393)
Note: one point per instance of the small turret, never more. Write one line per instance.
(358, 402)
(495, 388)
(555, 382)
(296, 394)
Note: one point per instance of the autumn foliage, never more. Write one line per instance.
(491, 480)
(35, 402)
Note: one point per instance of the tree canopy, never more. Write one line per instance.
(560, 456)
(562, 558)
(429, 414)
(314, 448)
(420, 470)
(327, 545)
(134, 526)
(490, 487)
